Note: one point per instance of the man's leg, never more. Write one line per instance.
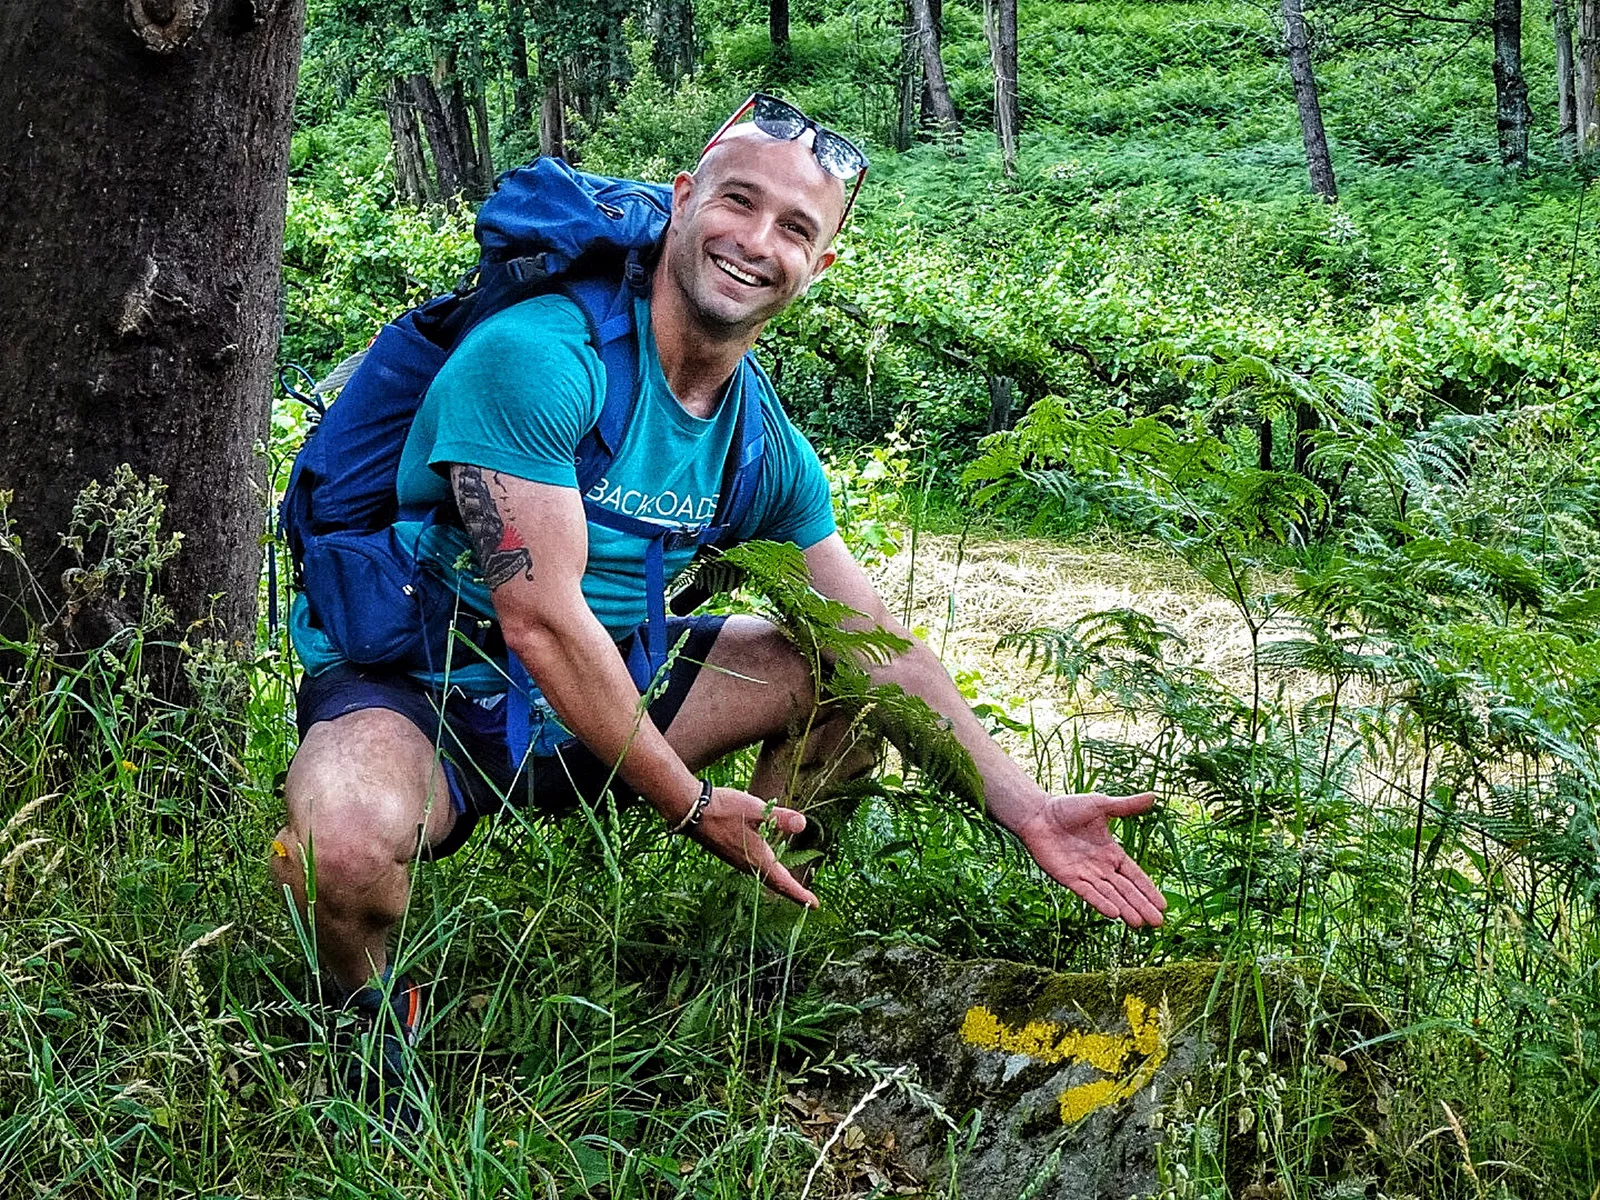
(756, 687)
(359, 790)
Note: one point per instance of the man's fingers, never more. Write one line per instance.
(777, 877)
(1098, 894)
(1143, 882)
(1134, 901)
(787, 821)
(1128, 806)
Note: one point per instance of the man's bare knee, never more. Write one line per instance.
(363, 794)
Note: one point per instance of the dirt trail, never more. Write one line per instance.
(966, 597)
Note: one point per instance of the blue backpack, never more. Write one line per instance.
(547, 228)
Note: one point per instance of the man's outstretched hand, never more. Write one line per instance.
(1069, 838)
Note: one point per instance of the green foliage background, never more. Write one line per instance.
(1369, 427)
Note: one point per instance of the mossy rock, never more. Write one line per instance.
(1085, 1081)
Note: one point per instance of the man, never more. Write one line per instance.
(752, 228)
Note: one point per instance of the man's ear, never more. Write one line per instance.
(829, 257)
(682, 189)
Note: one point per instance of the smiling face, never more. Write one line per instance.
(751, 229)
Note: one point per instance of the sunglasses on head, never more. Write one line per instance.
(837, 154)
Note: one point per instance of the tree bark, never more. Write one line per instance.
(778, 24)
(521, 86)
(1566, 83)
(1000, 23)
(405, 135)
(1002, 399)
(1312, 134)
(938, 90)
(910, 80)
(480, 123)
(1588, 112)
(447, 167)
(553, 106)
(143, 160)
(672, 43)
(447, 85)
(1512, 114)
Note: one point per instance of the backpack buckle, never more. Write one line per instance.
(682, 537)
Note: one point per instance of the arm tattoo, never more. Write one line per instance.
(501, 552)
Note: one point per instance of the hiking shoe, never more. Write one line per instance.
(380, 1056)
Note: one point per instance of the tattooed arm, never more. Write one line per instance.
(532, 544)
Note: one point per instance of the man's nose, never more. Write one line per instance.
(755, 237)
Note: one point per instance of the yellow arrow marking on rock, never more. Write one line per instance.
(1046, 1042)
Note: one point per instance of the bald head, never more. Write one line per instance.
(790, 165)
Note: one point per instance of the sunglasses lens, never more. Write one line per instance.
(777, 119)
(839, 156)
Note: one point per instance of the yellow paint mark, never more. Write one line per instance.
(1077, 1103)
(279, 849)
(1046, 1042)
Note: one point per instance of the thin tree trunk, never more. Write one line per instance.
(458, 122)
(1566, 82)
(480, 123)
(778, 24)
(929, 117)
(521, 87)
(553, 105)
(143, 159)
(447, 166)
(1000, 24)
(1512, 114)
(410, 168)
(910, 79)
(944, 111)
(1318, 161)
(1264, 444)
(1588, 122)
(1305, 425)
(1002, 399)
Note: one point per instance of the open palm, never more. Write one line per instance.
(1069, 838)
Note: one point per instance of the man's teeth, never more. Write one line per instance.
(742, 276)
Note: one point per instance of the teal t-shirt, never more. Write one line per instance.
(518, 395)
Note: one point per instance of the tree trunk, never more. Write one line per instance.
(552, 108)
(447, 85)
(1264, 444)
(910, 79)
(1312, 133)
(1002, 399)
(1512, 114)
(1588, 119)
(778, 24)
(938, 91)
(1000, 24)
(447, 167)
(521, 87)
(1566, 83)
(1306, 424)
(672, 43)
(143, 159)
(480, 123)
(410, 168)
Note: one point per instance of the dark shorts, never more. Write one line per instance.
(471, 736)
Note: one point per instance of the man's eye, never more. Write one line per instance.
(800, 231)
(740, 199)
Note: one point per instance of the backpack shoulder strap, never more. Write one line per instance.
(742, 476)
(607, 305)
